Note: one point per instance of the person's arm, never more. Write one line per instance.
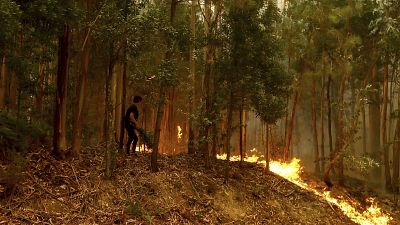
(133, 120)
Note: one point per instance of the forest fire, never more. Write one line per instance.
(292, 170)
(179, 134)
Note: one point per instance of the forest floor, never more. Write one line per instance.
(183, 192)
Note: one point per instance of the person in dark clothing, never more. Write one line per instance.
(131, 124)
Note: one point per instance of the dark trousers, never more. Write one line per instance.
(132, 137)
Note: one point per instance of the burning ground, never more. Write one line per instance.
(183, 192)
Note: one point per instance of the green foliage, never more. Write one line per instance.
(360, 164)
(146, 137)
(28, 133)
(10, 14)
(136, 210)
(250, 64)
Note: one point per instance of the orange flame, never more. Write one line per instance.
(179, 134)
(292, 170)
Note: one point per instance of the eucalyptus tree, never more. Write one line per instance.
(9, 26)
(250, 61)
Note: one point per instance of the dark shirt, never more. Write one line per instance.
(132, 109)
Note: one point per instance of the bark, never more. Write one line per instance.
(396, 154)
(322, 116)
(229, 132)
(207, 82)
(123, 100)
(384, 129)
(61, 94)
(41, 86)
(107, 112)
(160, 111)
(374, 121)
(12, 94)
(337, 155)
(267, 149)
(314, 127)
(191, 149)
(241, 132)
(292, 115)
(161, 101)
(3, 76)
(328, 98)
(364, 130)
(80, 96)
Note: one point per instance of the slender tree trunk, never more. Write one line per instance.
(207, 81)
(229, 132)
(245, 132)
(80, 96)
(13, 87)
(292, 115)
(337, 155)
(41, 86)
(61, 94)
(364, 129)
(396, 157)
(314, 126)
(191, 149)
(396, 153)
(107, 115)
(328, 98)
(123, 100)
(384, 129)
(322, 116)
(241, 132)
(160, 111)
(267, 149)
(3, 79)
(374, 121)
(161, 102)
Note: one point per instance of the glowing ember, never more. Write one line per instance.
(179, 134)
(291, 171)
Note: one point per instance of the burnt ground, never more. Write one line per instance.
(74, 191)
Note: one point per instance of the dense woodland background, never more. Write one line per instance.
(315, 79)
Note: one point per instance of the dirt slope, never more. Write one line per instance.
(183, 192)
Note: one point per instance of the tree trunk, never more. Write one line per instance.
(107, 115)
(80, 96)
(12, 94)
(337, 155)
(314, 127)
(322, 116)
(123, 100)
(328, 98)
(241, 132)
(396, 154)
(191, 149)
(160, 111)
(384, 129)
(161, 102)
(292, 115)
(41, 86)
(3, 76)
(61, 95)
(229, 132)
(267, 150)
(207, 82)
(374, 122)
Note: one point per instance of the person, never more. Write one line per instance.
(131, 124)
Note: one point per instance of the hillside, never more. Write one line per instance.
(183, 192)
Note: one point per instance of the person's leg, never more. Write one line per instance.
(135, 140)
(130, 139)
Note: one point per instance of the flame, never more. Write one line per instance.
(179, 134)
(292, 170)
